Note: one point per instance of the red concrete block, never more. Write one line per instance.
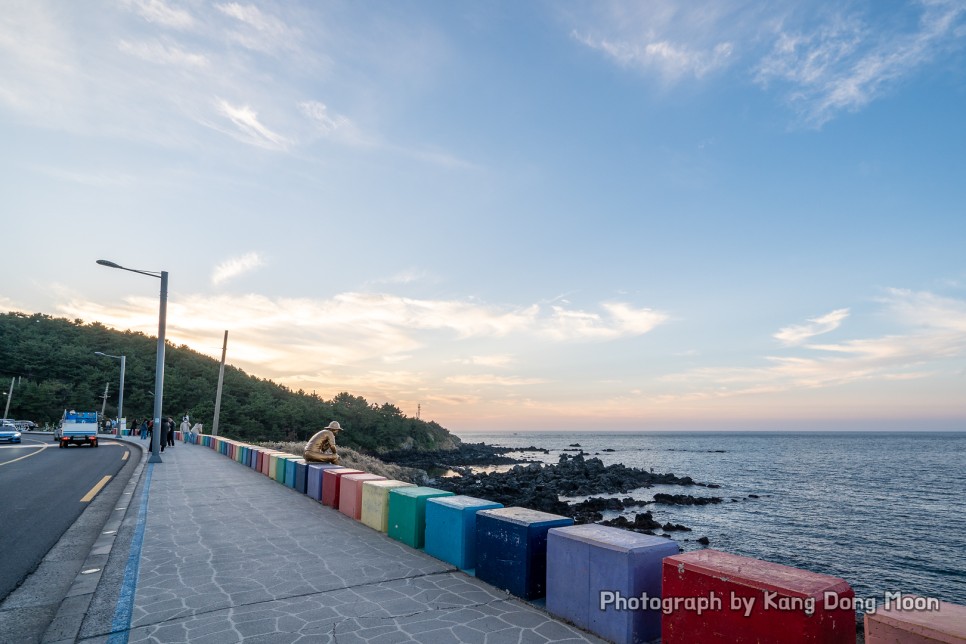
(908, 619)
(712, 596)
(350, 494)
(332, 485)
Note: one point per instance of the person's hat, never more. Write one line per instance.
(334, 426)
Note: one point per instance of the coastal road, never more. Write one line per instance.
(43, 490)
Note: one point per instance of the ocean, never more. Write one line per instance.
(886, 511)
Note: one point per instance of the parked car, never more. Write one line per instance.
(9, 432)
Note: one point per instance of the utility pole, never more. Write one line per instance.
(104, 404)
(9, 396)
(221, 380)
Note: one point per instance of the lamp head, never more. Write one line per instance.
(104, 262)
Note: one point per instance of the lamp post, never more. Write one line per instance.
(159, 367)
(120, 395)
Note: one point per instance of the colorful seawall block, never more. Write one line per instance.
(375, 502)
(451, 528)
(281, 463)
(915, 620)
(511, 549)
(721, 597)
(332, 484)
(585, 562)
(313, 478)
(301, 475)
(350, 493)
(273, 459)
(407, 513)
(290, 471)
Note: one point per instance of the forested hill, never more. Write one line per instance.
(55, 368)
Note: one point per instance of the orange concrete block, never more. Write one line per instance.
(916, 620)
(350, 493)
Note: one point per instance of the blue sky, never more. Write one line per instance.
(517, 215)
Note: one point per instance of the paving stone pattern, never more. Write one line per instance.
(230, 555)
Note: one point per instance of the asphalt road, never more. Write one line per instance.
(43, 489)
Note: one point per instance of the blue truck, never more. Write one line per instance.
(78, 428)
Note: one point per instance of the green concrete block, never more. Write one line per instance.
(375, 502)
(407, 513)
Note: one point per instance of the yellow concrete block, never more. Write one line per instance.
(375, 503)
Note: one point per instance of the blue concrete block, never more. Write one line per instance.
(511, 549)
(301, 470)
(451, 528)
(313, 478)
(585, 560)
(289, 479)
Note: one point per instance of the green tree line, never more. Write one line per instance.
(54, 368)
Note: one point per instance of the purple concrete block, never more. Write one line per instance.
(314, 478)
(585, 561)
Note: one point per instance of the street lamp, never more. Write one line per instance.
(159, 367)
(120, 395)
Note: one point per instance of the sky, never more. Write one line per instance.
(713, 215)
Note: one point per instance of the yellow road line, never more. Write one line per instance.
(94, 490)
(126, 454)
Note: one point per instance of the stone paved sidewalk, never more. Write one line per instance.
(229, 555)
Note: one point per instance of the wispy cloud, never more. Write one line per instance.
(328, 123)
(236, 266)
(797, 334)
(849, 61)
(249, 128)
(821, 59)
(258, 30)
(288, 335)
(670, 39)
(624, 320)
(670, 60)
(164, 53)
(161, 13)
(490, 379)
(935, 332)
(500, 360)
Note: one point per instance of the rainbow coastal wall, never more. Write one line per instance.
(623, 586)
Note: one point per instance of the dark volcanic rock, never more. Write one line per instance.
(685, 499)
(670, 527)
(704, 541)
(468, 454)
(539, 488)
(643, 522)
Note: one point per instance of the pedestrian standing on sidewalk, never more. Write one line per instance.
(170, 432)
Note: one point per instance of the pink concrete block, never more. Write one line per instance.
(350, 494)
(916, 620)
(332, 484)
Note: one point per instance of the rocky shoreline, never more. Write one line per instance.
(539, 487)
